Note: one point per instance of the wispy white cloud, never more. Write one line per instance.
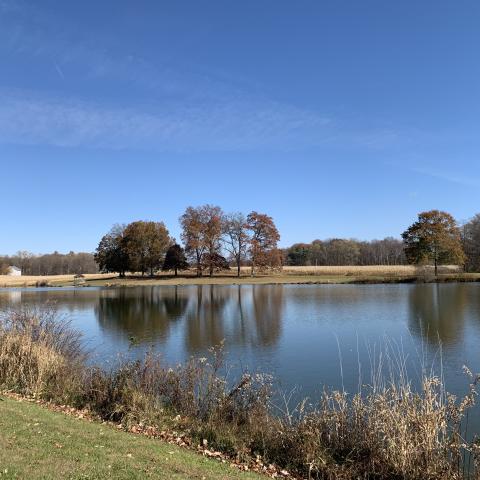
(28, 118)
(168, 106)
(59, 70)
(448, 177)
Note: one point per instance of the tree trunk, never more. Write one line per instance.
(176, 270)
(436, 266)
(211, 250)
(199, 266)
(238, 268)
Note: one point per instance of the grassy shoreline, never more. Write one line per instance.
(38, 443)
(289, 275)
(284, 280)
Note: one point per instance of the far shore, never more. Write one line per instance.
(289, 275)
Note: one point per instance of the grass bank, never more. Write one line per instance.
(289, 275)
(7, 281)
(388, 430)
(36, 443)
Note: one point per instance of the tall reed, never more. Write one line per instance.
(388, 430)
(40, 353)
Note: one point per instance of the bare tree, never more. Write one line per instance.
(471, 243)
(235, 237)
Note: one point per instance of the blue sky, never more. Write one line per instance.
(338, 118)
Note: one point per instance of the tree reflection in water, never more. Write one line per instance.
(437, 312)
(210, 314)
(146, 314)
(243, 315)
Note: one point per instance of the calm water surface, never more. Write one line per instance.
(303, 334)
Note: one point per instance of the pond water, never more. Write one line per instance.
(308, 336)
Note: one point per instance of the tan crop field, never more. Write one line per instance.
(396, 270)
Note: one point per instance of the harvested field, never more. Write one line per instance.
(395, 270)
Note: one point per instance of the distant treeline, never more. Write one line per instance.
(338, 251)
(214, 240)
(435, 238)
(50, 264)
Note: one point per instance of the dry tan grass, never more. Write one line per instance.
(27, 362)
(47, 280)
(39, 353)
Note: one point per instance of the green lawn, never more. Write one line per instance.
(36, 443)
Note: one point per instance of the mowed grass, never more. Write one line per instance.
(36, 443)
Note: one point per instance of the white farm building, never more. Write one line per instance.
(15, 272)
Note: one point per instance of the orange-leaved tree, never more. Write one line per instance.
(201, 234)
(263, 241)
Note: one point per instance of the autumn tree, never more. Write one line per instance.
(434, 237)
(175, 259)
(201, 234)
(215, 262)
(192, 235)
(146, 244)
(263, 241)
(235, 237)
(212, 234)
(111, 255)
(471, 243)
